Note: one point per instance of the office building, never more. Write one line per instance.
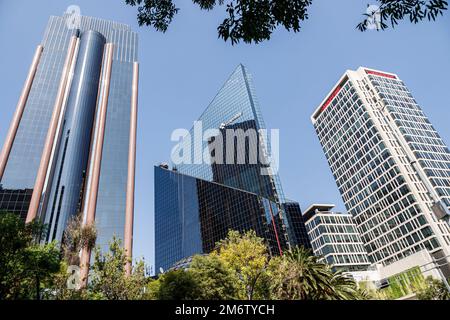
(391, 166)
(233, 154)
(192, 215)
(335, 238)
(71, 144)
(297, 222)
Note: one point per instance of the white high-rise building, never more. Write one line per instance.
(334, 237)
(391, 166)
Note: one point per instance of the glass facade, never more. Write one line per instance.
(373, 134)
(226, 183)
(192, 215)
(111, 201)
(236, 108)
(19, 177)
(73, 154)
(297, 223)
(68, 177)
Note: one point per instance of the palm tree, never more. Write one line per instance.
(299, 275)
(345, 288)
(76, 237)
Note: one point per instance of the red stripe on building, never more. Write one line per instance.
(333, 95)
(275, 229)
(381, 74)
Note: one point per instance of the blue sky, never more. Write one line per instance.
(182, 70)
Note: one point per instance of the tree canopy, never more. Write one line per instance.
(391, 12)
(25, 265)
(299, 275)
(214, 279)
(433, 289)
(240, 268)
(246, 255)
(253, 21)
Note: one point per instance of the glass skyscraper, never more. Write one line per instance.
(391, 166)
(235, 107)
(192, 215)
(297, 223)
(242, 187)
(71, 145)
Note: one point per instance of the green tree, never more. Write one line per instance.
(433, 290)
(177, 285)
(246, 254)
(75, 238)
(214, 280)
(253, 21)
(58, 288)
(345, 288)
(25, 265)
(390, 12)
(41, 263)
(246, 20)
(108, 280)
(298, 275)
(152, 289)
(235, 270)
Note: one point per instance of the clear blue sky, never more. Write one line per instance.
(182, 70)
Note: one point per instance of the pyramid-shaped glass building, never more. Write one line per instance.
(223, 178)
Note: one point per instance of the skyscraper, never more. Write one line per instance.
(228, 147)
(391, 166)
(71, 144)
(192, 215)
(297, 223)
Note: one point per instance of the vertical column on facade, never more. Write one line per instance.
(51, 133)
(97, 158)
(6, 150)
(128, 235)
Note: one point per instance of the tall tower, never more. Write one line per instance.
(226, 183)
(391, 166)
(71, 144)
(235, 107)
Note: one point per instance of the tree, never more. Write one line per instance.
(59, 289)
(254, 21)
(177, 285)
(152, 289)
(214, 280)
(206, 278)
(246, 254)
(433, 290)
(235, 270)
(108, 278)
(25, 265)
(77, 237)
(392, 11)
(345, 288)
(247, 20)
(299, 275)
(41, 263)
